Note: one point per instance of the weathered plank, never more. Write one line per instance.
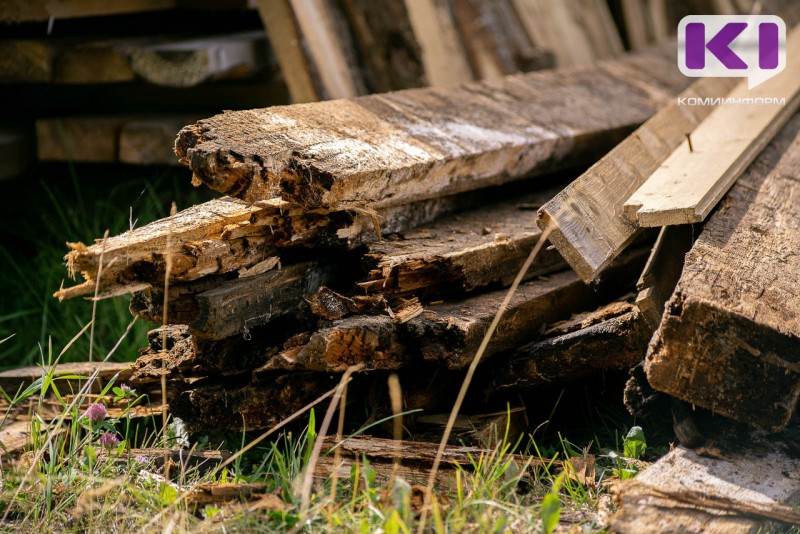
(693, 179)
(729, 335)
(495, 40)
(612, 338)
(450, 332)
(752, 487)
(589, 229)
(13, 379)
(42, 10)
(263, 403)
(384, 150)
(443, 56)
(461, 252)
(109, 139)
(386, 42)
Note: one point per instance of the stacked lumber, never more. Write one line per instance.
(381, 233)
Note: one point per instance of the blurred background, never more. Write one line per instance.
(94, 93)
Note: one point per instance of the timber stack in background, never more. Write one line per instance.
(95, 82)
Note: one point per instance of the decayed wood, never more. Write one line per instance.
(733, 322)
(662, 271)
(386, 42)
(416, 459)
(612, 338)
(215, 309)
(443, 55)
(690, 182)
(384, 150)
(182, 459)
(14, 379)
(495, 40)
(263, 403)
(462, 252)
(589, 228)
(451, 332)
(226, 235)
(748, 489)
(13, 438)
(136, 140)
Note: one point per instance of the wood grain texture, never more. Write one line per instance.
(689, 183)
(589, 227)
(461, 252)
(729, 336)
(384, 150)
(752, 487)
(43, 10)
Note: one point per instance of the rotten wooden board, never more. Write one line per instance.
(729, 335)
(750, 487)
(589, 229)
(384, 150)
(612, 338)
(692, 180)
(461, 252)
(451, 332)
(14, 379)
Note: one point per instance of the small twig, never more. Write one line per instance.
(94, 301)
(164, 352)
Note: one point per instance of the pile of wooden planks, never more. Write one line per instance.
(381, 233)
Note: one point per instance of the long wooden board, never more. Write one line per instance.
(391, 149)
(729, 336)
(692, 180)
(589, 229)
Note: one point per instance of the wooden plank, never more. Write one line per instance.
(422, 143)
(728, 339)
(14, 436)
(688, 184)
(450, 332)
(611, 338)
(443, 55)
(287, 42)
(662, 271)
(386, 42)
(329, 47)
(750, 486)
(495, 41)
(589, 228)
(14, 379)
(43, 10)
(110, 139)
(461, 252)
(227, 235)
(636, 23)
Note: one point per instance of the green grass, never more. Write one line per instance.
(38, 220)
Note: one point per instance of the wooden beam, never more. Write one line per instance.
(42, 10)
(688, 184)
(745, 488)
(461, 252)
(611, 338)
(422, 143)
(443, 55)
(14, 379)
(589, 229)
(733, 323)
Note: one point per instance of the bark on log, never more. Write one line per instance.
(411, 146)
(729, 336)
